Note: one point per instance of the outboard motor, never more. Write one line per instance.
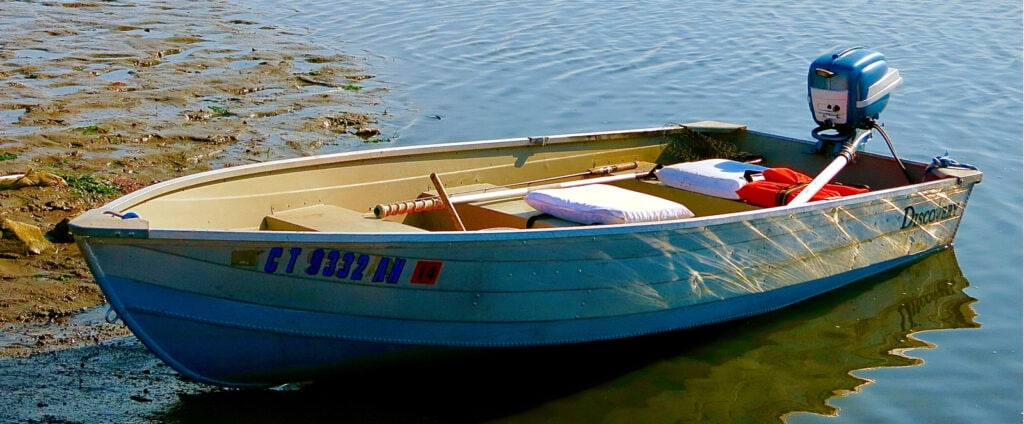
(846, 90)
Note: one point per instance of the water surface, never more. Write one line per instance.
(528, 68)
(939, 341)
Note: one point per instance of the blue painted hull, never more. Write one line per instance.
(231, 343)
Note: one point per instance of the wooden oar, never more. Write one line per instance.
(830, 171)
(600, 170)
(592, 172)
(446, 202)
(435, 203)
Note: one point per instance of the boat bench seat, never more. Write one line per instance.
(571, 207)
(490, 214)
(508, 213)
(330, 218)
(499, 213)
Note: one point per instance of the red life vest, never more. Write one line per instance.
(782, 185)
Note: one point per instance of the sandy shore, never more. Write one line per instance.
(114, 96)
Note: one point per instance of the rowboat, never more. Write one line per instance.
(295, 269)
(260, 274)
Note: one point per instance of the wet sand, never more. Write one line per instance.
(115, 96)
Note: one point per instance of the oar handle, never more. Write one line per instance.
(608, 169)
(425, 204)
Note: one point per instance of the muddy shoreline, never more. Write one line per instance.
(111, 97)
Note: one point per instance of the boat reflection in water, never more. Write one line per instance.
(757, 370)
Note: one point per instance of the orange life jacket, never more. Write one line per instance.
(781, 185)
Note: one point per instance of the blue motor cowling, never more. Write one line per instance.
(847, 89)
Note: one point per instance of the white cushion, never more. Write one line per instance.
(713, 177)
(604, 204)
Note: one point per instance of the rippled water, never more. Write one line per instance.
(531, 67)
(939, 341)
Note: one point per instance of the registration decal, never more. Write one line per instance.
(426, 272)
(327, 263)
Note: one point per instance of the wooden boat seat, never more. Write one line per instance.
(330, 218)
(509, 213)
(506, 213)
(576, 206)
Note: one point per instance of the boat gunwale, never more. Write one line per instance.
(139, 228)
(378, 238)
